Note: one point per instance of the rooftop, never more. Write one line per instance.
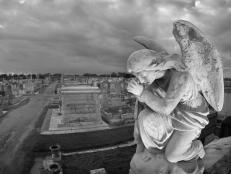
(80, 89)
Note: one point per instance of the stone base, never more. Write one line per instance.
(217, 160)
(218, 156)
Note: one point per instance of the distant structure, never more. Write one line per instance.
(94, 115)
(80, 103)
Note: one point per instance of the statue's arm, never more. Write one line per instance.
(175, 92)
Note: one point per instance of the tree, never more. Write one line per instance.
(15, 76)
(33, 76)
(90, 75)
(3, 76)
(41, 76)
(113, 74)
(22, 76)
(128, 76)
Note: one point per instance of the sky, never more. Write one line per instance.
(96, 36)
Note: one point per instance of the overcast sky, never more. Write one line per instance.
(95, 36)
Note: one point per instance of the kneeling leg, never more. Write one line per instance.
(183, 146)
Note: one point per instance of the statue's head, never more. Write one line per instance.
(148, 65)
(144, 64)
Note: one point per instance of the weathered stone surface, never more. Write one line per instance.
(218, 156)
(147, 163)
(202, 60)
(217, 160)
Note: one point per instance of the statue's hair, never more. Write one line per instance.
(146, 59)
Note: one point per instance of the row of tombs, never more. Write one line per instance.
(95, 137)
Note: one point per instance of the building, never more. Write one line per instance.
(80, 104)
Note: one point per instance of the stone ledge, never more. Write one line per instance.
(218, 156)
(217, 160)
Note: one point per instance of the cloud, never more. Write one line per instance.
(79, 36)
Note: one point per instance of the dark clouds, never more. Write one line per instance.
(75, 36)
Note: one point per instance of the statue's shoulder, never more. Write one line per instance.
(180, 75)
(179, 81)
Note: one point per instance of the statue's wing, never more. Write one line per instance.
(202, 61)
(150, 44)
(169, 60)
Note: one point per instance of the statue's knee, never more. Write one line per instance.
(146, 118)
(171, 155)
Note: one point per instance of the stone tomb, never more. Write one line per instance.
(80, 104)
(80, 110)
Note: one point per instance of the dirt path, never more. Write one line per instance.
(18, 124)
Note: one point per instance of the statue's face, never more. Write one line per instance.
(144, 64)
(148, 76)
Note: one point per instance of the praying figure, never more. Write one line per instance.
(177, 93)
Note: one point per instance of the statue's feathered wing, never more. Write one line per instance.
(202, 61)
(150, 44)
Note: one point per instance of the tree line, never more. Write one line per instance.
(59, 75)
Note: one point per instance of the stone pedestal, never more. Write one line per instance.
(80, 103)
(217, 160)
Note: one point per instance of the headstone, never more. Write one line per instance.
(98, 171)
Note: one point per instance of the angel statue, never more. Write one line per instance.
(177, 92)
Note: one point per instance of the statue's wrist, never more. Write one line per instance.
(141, 96)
